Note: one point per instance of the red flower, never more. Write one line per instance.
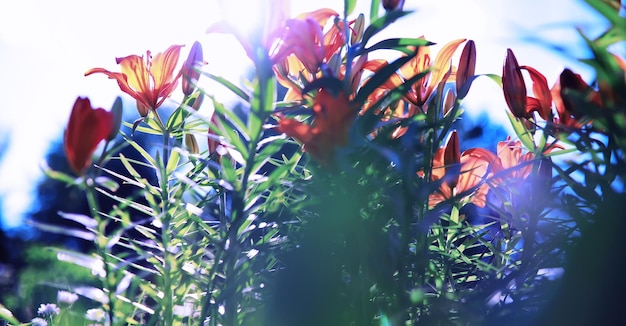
(149, 82)
(86, 128)
(334, 115)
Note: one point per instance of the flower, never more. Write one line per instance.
(515, 92)
(86, 128)
(275, 13)
(95, 314)
(66, 297)
(466, 69)
(513, 85)
(391, 5)
(461, 173)
(564, 90)
(190, 71)
(149, 82)
(334, 115)
(48, 310)
(38, 322)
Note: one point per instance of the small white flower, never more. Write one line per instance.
(38, 322)
(66, 297)
(95, 314)
(48, 310)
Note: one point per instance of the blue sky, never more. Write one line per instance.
(46, 46)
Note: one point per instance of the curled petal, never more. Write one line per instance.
(541, 90)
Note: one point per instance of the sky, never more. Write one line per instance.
(46, 46)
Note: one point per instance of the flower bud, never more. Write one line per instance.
(392, 5)
(513, 86)
(452, 159)
(190, 68)
(467, 66)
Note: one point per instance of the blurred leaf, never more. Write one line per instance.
(7, 315)
(380, 23)
(348, 6)
(232, 87)
(87, 221)
(374, 7)
(76, 233)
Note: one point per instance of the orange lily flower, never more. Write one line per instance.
(305, 49)
(440, 71)
(149, 82)
(86, 128)
(333, 117)
(568, 114)
(510, 158)
(471, 166)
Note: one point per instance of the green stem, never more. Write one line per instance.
(168, 303)
(109, 282)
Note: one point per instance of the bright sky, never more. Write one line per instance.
(46, 46)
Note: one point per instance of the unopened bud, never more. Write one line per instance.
(392, 5)
(190, 68)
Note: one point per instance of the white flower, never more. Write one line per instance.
(48, 310)
(38, 322)
(95, 314)
(65, 297)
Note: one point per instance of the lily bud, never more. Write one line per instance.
(359, 28)
(452, 159)
(392, 5)
(467, 66)
(513, 86)
(189, 71)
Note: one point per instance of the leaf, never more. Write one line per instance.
(348, 6)
(380, 23)
(7, 315)
(375, 5)
(64, 230)
(399, 44)
(87, 221)
(232, 87)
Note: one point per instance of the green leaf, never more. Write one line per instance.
(232, 87)
(381, 76)
(348, 6)
(172, 163)
(7, 315)
(380, 23)
(375, 5)
(399, 44)
(524, 135)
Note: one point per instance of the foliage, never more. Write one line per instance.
(342, 196)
